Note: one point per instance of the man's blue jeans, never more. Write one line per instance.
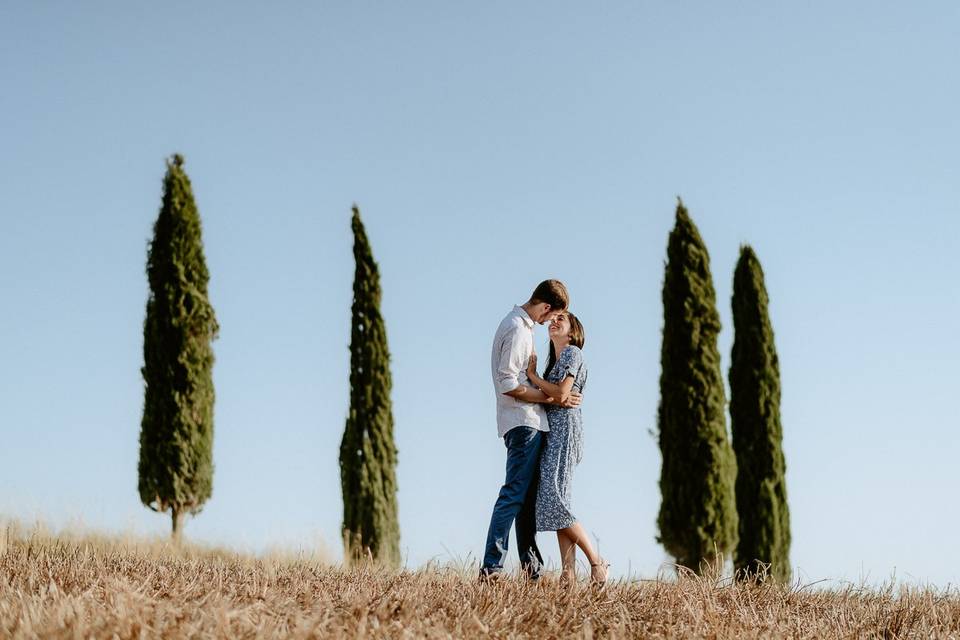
(517, 501)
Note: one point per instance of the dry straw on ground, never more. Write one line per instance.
(89, 586)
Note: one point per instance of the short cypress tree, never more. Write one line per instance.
(698, 515)
(756, 429)
(176, 432)
(368, 455)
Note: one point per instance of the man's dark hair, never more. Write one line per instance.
(553, 293)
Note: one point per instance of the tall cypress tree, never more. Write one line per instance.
(755, 425)
(698, 512)
(368, 455)
(176, 432)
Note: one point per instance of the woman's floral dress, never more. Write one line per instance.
(564, 447)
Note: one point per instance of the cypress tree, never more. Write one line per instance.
(368, 455)
(756, 430)
(698, 515)
(176, 433)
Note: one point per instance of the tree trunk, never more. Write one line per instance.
(177, 517)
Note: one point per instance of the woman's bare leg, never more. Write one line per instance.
(568, 557)
(578, 536)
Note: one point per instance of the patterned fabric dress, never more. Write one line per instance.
(564, 447)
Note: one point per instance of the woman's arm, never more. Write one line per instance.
(560, 392)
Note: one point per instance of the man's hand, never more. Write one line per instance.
(573, 401)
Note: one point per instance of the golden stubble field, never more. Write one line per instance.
(89, 586)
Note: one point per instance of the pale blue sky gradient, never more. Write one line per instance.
(488, 147)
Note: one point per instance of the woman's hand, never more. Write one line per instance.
(532, 366)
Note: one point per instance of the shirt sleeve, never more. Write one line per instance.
(569, 362)
(511, 363)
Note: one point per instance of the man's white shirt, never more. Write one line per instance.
(512, 348)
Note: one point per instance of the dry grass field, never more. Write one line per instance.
(86, 586)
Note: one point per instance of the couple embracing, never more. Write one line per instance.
(538, 418)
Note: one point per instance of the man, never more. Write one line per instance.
(522, 423)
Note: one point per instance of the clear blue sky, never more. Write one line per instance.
(488, 147)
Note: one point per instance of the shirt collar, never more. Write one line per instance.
(527, 320)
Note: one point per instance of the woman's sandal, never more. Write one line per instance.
(595, 575)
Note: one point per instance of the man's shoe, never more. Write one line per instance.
(490, 576)
(531, 571)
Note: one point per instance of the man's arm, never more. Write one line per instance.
(511, 367)
(530, 394)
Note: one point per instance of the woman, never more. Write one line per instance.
(565, 373)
